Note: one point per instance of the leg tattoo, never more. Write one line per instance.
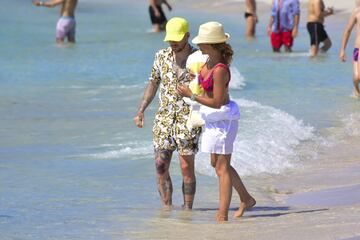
(189, 190)
(162, 163)
(165, 191)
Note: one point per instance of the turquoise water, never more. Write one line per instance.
(72, 164)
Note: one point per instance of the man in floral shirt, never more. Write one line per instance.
(170, 132)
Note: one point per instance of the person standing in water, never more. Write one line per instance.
(66, 25)
(169, 131)
(315, 26)
(251, 18)
(283, 24)
(221, 115)
(157, 15)
(354, 20)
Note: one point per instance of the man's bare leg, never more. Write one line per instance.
(162, 163)
(71, 39)
(276, 50)
(313, 50)
(356, 88)
(60, 40)
(356, 78)
(326, 45)
(189, 180)
(250, 27)
(287, 49)
(163, 27)
(157, 28)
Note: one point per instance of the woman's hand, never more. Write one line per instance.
(184, 91)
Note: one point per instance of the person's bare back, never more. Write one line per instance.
(68, 8)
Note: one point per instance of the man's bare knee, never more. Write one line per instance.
(185, 167)
(162, 161)
(326, 45)
(160, 167)
(356, 81)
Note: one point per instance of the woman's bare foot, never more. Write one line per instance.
(221, 218)
(244, 206)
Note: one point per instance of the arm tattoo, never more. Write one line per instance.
(149, 94)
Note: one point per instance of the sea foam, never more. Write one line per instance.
(267, 141)
(237, 80)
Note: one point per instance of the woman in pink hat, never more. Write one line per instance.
(220, 113)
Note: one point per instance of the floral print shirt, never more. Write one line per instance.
(173, 112)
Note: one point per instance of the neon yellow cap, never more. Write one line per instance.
(176, 28)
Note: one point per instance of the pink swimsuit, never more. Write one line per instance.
(208, 84)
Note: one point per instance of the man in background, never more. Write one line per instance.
(284, 23)
(251, 18)
(315, 26)
(66, 25)
(157, 15)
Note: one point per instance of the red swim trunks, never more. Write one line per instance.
(280, 38)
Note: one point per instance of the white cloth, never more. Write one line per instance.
(195, 119)
(221, 126)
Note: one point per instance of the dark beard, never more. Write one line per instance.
(181, 49)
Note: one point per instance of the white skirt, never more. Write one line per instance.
(221, 126)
